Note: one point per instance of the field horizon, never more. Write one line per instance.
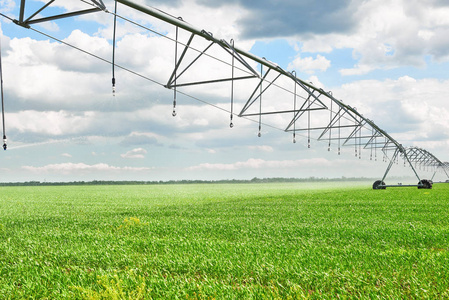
(204, 181)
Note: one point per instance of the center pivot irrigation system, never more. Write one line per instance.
(257, 89)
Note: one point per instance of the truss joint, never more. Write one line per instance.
(22, 24)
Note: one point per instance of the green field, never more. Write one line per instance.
(250, 241)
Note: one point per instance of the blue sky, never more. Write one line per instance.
(387, 58)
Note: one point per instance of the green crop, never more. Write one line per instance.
(250, 241)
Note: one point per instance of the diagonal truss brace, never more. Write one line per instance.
(98, 5)
(172, 82)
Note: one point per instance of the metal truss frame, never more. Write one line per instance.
(344, 125)
(98, 5)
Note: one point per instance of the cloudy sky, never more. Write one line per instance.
(388, 58)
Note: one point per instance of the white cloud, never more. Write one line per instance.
(410, 109)
(66, 155)
(71, 78)
(357, 70)
(53, 123)
(71, 5)
(254, 163)
(135, 153)
(389, 35)
(7, 5)
(73, 168)
(222, 22)
(310, 64)
(264, 148)
(49, 26)
(315, 81)
(426, 34)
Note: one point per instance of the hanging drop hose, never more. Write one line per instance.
(339, 130)
(260, 103)
(176, 63)
(113, 50)
(330, 127)
(3, 102)
(294, 109)
(232, 85)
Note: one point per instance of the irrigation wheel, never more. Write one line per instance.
(379, 185)
(425, 184)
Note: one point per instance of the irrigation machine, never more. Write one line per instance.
(267, 90)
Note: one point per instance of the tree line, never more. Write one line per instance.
(184, 181)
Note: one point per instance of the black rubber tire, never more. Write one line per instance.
(377, 185)
(425, 184)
